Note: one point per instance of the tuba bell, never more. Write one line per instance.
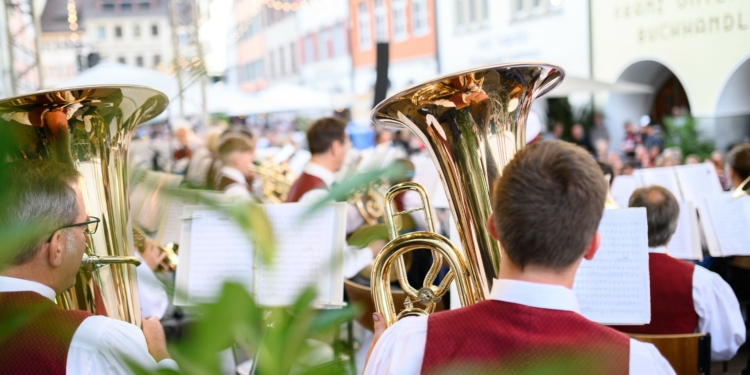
(472, 123)
(90, 129)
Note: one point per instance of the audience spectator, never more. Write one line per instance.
(598, 131)
(556, 133)
(579, 138)
(630, 140)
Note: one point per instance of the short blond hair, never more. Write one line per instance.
(232, 144)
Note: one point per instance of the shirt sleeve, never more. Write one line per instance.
(646, 359)
(121, 342)
(718, 313)
(238, 191)
(400, 349)
(355, 260)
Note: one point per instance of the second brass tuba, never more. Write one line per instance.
(472, 123)
(89, 128)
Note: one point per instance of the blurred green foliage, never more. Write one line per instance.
(683, 132)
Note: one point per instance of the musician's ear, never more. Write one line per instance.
(593, 246)
(491, 227)
(56, 249)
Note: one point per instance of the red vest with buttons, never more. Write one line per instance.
(304, 183)
(672, 309)
(40, 342)
(493, 337)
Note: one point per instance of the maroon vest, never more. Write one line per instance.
(672, 309)
(500, 337)
(40, 343)
(226, 182)
(304, 183)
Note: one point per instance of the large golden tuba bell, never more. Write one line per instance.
(89, 128)
(472, 123)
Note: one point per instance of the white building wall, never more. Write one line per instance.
(278, 39)
(59, 58)
(557, 34)
(101, 37)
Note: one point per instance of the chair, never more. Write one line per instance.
(362, 295)
(689, 354)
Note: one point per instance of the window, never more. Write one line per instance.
(157, 60)
(271, 64)
(363, 26)
(469, 13)
(155, 30)
(109, 7)
(144, 6)
(323, 36)
(293, 57)
(419, 16)
(139, 61)
(519, 8)
(339, 40)
(121, 60)
(126, 6)
(398, 15)
(101, 32)
(282, 63)
(118, 31)
(309, 49)
(381, 21)
(137, 31)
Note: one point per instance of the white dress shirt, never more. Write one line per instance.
(355, 259)
(240, 188)
(718, 311)
(151, 292)
(401, 348)
(100, 345)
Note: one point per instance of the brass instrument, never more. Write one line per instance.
(369, 201)
(170, 261)
(89, 128)
(742, 190)
(277, 180)
(472, 123)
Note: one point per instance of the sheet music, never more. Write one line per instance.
(303, 252)
(613, 288)
(685, 243)
(219, 252)
(665, 177)
(698, 181)
(730, 221)
(172, 225)
(622, 188)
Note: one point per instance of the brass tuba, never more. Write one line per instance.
(472, 123)
(742, 190)
(89, 128)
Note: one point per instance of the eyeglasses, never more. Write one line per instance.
(89, 227)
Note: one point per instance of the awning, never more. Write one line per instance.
(571, 85)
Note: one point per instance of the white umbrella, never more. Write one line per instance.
(287, 97)
(109, 73)
(570, 85)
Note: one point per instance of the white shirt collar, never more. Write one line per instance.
(543, 296)
(658, 250)
(320, 172)
(233, 174)
(11, 284)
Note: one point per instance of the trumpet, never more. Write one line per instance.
(277, 180)
(171, 259)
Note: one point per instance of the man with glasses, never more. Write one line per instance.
(42, 200)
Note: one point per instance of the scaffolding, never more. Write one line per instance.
(188, 62)
(21, 68)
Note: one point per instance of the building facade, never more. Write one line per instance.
(410, 29)
(695, 54)
(132, 32)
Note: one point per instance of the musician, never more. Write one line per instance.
(546, 209)
(326, 139)
(684, 298)
(235, 176)
(46, 195)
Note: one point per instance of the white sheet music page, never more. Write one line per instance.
(698, 181)
(613, 288)
(170, 229)
(303, 253)
(219, 251)
(730, 221)
(622, 188)
(664, 176)
(685, 243)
